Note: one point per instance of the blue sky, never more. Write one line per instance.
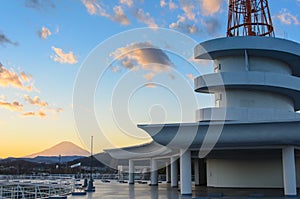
(44, 45)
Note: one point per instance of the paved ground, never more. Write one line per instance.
(114, 190)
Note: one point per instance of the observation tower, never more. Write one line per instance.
(251, 137)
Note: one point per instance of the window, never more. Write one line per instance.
(217, 68)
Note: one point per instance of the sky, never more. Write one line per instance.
(73, 69)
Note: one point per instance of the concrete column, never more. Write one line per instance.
(154, 173)
(185, 172)
(196, 171)
(168, 173)
(174, 172)
(289, 171)
(202, 172)
(131, 172)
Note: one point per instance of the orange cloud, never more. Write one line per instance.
(35, 101)
(41, 113)
(25, 77)
(143, 55)
(11, 78)
(150, 85)
(149, 76)
(14, 106)
(28, 114)
(62, 57)
(210, 7)
(190, 76)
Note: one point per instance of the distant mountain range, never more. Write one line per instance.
(61, 149)
(60, 153)
(64, 152)
(44, 159)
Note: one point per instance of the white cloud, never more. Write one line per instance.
(162, 3)
(62, 57)
(119, 16)
(212, 25)
(182, 25)
(44, 33)
(129, 3)
(145, 18)
(188, 8)
(172, 5)
(94, 8)
(287, 18)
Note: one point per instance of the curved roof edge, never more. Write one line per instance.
(143, 151)
(276, 48)
(235, 134)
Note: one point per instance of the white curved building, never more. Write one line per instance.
(256, 86)
(257, 93)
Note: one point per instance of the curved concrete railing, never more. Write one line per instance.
(244, 114)
(286, 85)
(234, 134)
(275, 48)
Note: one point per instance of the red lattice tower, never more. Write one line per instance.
(249, 18)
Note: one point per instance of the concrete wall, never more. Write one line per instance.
(243, 173)
(256, 99)
(238, 63)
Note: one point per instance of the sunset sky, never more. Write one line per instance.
(45, 45)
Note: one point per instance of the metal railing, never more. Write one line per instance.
(32, 187)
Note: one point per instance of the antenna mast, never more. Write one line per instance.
(249, 18)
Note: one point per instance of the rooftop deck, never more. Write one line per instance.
(163, 190)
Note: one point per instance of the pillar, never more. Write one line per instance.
(196, 171)
(154, 173)
(131, 172)
(185, 172)
(174, 172)
(202, 174)
(168, 174)
(289, 171)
